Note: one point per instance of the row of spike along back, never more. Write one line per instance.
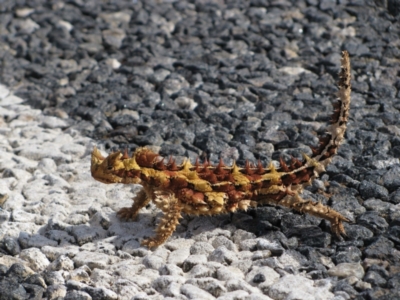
(329, 143)
(193, 182)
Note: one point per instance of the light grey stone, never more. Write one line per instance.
(178, 243)
(168, 285)
(116, 18)
(22, 216)
(4, 91)
(347, 269)
(53, 252)
(171, 269)
(61, 263)
(77, 295)
(221, 240)
(201, 248)
(81, 274)
(193, 292)
(178, 256)
(54, 277)
(73, 149)
(100, 293)
(37, 261)
(210, 285)
(297, 287)
(193, 260)
(239, 284)
(102, 278)
(56, 292)
(226, 273)
(91, 259)
(114, 37)
(130, 246)
(222, 255)
(184, 102)
(243, 264)
(262, 275)
(10, 100)
(85, 234)
(248, 244)
(257, 255)
(77, 219)
(291, 258)
(234, 295)
(153, 261)
(52, 122)
(273, 247)
(200, 271)
(37, 152)
(126, 290)
(36, 240)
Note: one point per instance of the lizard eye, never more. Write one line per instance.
(109, 168)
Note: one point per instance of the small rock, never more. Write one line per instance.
(56, 292)
(91, 259)
(193, 292)
(222, 255)
(298, 287)
(344, 270)
(114, 37)
(265, 275)
(35, 258)
(192, 261)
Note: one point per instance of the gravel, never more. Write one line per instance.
(237, 80)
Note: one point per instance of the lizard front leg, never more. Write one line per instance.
(140, 200)
(171, 208)
(316, 209)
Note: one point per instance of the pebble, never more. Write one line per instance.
(343, 270)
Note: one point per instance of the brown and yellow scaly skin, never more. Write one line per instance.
(203, 189)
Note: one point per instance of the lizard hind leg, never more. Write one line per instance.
(171, 208)
(140, 200)
(316, 209)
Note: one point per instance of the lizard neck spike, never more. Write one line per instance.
(125, 156)
(206, 164)
(283, 165)
(197, 164)
(247, 168)
(159, 165)
(260, 168)
(186, 165)
(172, 164)
(219, 168)
(235, 169)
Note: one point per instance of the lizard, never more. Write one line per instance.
(204, 189)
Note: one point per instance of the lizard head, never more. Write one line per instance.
(115, 168)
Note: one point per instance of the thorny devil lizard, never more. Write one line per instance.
(203, 189)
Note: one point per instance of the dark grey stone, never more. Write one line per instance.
(11, 245)
(373, 221)
(347, 255)
(18, 271)
(374, 279)
(342, 285)
(357, 232)
(391, 179)
(11, 289)
(372, 190)
(394, 234)
(35, 292)
(382, 248)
